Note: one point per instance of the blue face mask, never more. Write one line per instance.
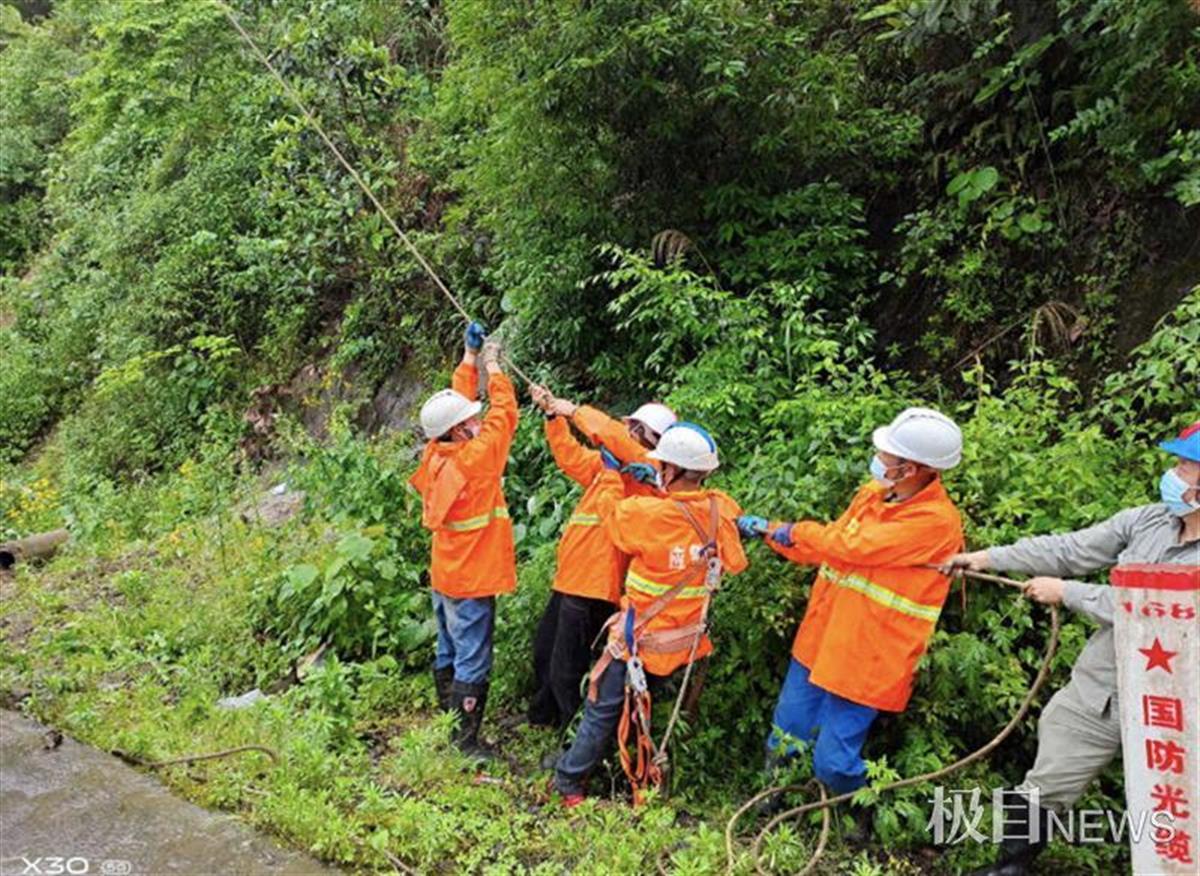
(879, 472)
(1172, 487)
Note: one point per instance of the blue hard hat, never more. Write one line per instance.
(1187, 445)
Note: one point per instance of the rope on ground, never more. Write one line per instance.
(367, 190)
(398, 865)
(822, 839)
(827, 802)
(193, 758)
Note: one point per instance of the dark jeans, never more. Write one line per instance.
(595, 733)
(562, 654)
(598, 728)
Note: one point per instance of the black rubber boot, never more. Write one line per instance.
(443, 680)
(773, 766)
(469, 701)
(1019, 848)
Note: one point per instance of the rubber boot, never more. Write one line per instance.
(443, 679)
(1017, 849)
(773, 766)
(469, 701)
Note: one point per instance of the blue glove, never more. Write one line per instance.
(752, 527)
(474, 336)
(609, 460)
(642, 472)
(783, 535)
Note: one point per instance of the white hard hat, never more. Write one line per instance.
(688, 446)
(445, 410)
(922, 435)
(658, 418)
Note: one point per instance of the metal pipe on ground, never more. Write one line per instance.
(32, 547)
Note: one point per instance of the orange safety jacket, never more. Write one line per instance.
(462, 499)
(665, 549)
(589, 564)
(872, 608)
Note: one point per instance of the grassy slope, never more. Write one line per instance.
(130, 651)
(126, 641)
(130, 648)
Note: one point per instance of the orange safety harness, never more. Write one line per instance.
(646, 771)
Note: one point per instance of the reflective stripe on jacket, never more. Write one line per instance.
(872, 611)
(463, 500)
(664, 549)
(588, 562)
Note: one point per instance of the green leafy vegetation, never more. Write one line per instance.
(787, 220)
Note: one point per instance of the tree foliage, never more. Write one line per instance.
(787, 219)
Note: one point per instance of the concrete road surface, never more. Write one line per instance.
(74, 810)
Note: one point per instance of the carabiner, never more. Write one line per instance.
(636, 675)
(712, 575)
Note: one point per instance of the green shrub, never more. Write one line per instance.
(152, 411)
(366, 599)
(173, 233)
(25, 409)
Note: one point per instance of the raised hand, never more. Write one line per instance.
(489, 356)
(474, 336)
(541, 396)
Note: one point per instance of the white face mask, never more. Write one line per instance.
(879, 471)
(1172, 487)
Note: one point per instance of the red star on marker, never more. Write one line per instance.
(1157, 655)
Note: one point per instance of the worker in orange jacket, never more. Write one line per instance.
(462, 504)
(670, 539)
(873, 607)
(590, 569)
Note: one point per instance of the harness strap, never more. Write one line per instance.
(647, 770)
(709, 538)
(666, 641)
(635, 626)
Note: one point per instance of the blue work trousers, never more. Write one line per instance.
(833, 726)
(464, 636)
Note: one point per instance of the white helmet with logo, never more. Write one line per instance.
(444, 410)
(922, 435)
(688, 446)
(658, 418)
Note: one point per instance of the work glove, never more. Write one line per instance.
(750, 526)
(642, 472)
(783, 535)
(474, 336)
(609, 460)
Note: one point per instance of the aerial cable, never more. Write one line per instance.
(316, 126)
